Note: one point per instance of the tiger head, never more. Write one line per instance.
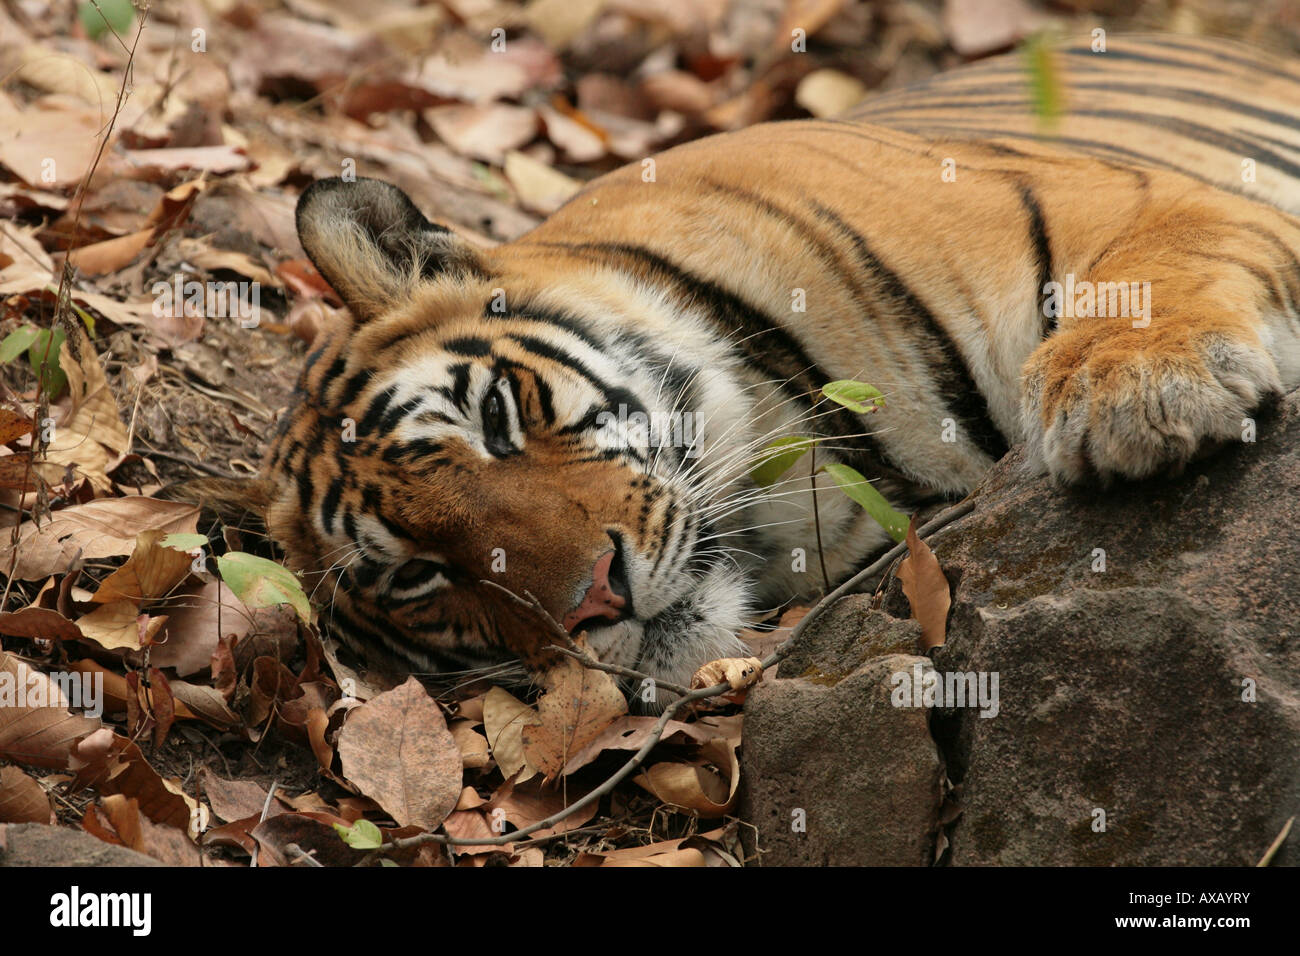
(481, 433)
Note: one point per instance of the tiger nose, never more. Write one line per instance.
(608, 595)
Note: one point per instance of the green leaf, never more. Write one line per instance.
(262, 583)
(873, 502)
(784, 452)
(184, 542)
(854, 395)
(362, 835)
(119, 14)
(43, 353)
(1044, 76)
(17, 342)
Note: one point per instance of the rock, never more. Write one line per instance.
(37, 844)
(1146, 642)
(872, 798)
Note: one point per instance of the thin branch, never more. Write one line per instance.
(573, 649)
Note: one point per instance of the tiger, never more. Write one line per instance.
(467, 448)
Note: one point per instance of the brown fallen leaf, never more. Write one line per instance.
(538, 186)
(19, 473)
(38, 622)
(578, 704)
(397, 750)
(472, 825)
(698, 787)
(311, 833)
(485, 132)
(113, 764)
(22, 799)
(210, 159)
(110, 255)
(926, 589)
(524, 805)
(91, 437)
(119, 624)
(829, 92)
(674, 858)
(13, 425)
(198, 616)
(97, 529)
(148, 574)
(474, 750)
(36, 728)
(504, 719)
(630, 732)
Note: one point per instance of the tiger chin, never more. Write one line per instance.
(480, 432)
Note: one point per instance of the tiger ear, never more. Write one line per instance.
(372, 244)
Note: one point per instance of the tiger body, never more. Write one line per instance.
(909, 245)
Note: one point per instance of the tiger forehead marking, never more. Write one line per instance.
(576, 414)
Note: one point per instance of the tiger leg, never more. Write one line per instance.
(1138, 394)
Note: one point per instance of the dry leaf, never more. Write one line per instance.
(118, 625)
(97, 529)
(695, 786)
(485, 132)
(538, 186)
(32, 732)
(829, 92)
(38, 622)
(926, 589)
(396, 749)
(149, 574)
(474, 751)
(738, 672)
(22, 799)
(578, 704)
(504, 719)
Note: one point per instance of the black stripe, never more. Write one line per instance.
(374, 413)
(352, 387)
(1042, 252)
(952, 376)
(330, 503)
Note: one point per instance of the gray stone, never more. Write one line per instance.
(38, 844)
(871, 797)
(1124, 691)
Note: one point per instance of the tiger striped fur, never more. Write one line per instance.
(483, 388)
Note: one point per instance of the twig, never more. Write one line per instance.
(266, 809)
(573, 649)
(817, 517)
(300, 857)
(952, 514)
(1276, 845)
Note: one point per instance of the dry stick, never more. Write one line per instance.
(957, 511)
(817, 518)
(572, 649)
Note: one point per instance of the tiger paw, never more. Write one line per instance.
(1101, 402)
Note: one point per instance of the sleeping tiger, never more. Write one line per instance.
(480, 417)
